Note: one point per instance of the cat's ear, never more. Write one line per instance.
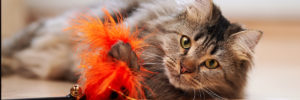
(246, 39)
(204, 3)
(200, 10)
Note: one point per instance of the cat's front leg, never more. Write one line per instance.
(123, 51)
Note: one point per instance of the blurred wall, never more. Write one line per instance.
(260, 9)
(14, 15)
(49, 8)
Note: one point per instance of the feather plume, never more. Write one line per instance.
(102, 75)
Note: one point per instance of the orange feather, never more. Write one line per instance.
(102, 75)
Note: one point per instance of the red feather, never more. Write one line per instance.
(102, 75)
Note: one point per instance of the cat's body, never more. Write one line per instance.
(45, 50)
(195, 52)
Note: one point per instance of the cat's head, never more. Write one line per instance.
(202, 50)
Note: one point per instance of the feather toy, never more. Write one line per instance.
(104, 75)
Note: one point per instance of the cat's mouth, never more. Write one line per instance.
(184, 79)
(181, 76)
(185, 69)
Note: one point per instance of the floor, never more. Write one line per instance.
(17, 87)
(275, 76)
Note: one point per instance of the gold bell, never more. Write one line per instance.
(76, 91)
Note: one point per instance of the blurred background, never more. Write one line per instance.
(275, 76)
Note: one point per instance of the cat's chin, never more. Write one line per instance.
(184, 82)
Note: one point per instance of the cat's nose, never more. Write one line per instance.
(185, 69)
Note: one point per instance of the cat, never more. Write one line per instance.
(194, 50)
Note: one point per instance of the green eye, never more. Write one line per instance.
(185, 42)
(211, 64)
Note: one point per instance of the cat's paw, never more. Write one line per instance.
(122, 51)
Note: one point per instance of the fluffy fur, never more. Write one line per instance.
(163, 23)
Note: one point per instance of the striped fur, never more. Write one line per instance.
(163, 22)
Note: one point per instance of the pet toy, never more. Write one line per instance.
(103, 75)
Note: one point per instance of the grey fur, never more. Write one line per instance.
(163, 23)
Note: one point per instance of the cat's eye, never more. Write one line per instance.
(211, 64)
(185, 42)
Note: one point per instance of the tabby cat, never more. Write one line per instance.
(195, 52)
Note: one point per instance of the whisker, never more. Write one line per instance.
(151, 63)
(205, 89)
(149, 57)
(194, 95)
(209, 93)
(198, 92)
(152, 55)
(203, 94)
(208, 90)
(215, 94)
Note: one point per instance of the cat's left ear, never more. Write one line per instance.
(246, 39)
